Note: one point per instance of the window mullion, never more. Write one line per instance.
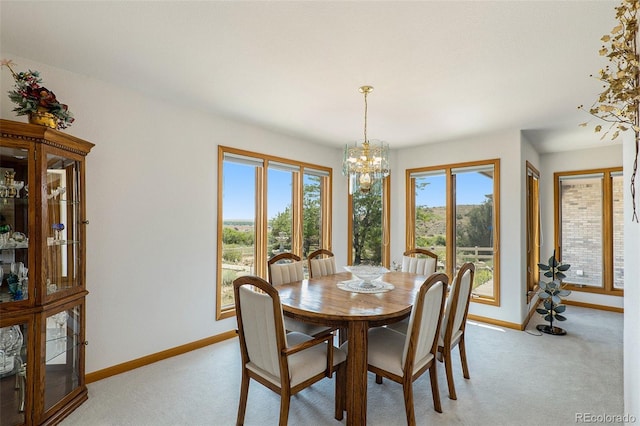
(325, 190)
(386, 221)
(261, 222)
(451, 225)
(410, 235)
(607, 230)
(296, 213)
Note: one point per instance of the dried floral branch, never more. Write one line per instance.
(618, 103)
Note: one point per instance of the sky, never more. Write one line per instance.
(239, 192)
(471, 189)
(239, 189)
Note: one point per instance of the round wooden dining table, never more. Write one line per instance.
(320, 301)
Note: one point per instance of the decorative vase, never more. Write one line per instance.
(43, 118)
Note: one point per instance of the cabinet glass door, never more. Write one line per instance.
(64, 344)
(13, 373)
(62, 232)
(14, 223)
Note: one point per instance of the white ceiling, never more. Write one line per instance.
(441, 69)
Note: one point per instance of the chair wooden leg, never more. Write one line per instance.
(407, 389)
(449, 369)
(244, 392)
(341, 392)
(343, 335)
(378, 379)
(285, 400)
(463, 358)
(435, 391)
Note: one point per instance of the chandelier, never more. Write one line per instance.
(365, 163)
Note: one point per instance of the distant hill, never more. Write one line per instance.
(237, 222)
(435, 220)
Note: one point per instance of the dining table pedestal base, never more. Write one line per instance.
(357, 374)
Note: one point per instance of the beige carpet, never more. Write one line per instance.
(517, 378)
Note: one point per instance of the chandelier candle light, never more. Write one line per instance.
(365, 163)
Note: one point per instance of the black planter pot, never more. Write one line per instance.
(556, 331)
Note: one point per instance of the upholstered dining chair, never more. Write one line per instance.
(284, 363)
(419, 261)
(403, 358)
(453, 323)
(321, 263)
(286, 268)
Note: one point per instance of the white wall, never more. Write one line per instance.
(609, 155)
(151, 202)
(506, 147)
(631, 292)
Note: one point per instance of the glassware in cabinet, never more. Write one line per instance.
(14, 222)
(62, 224)
(14, 350)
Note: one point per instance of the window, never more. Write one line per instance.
(452, 210)
(266, 205)
(533, 229)
(369, 225)
(589, 229)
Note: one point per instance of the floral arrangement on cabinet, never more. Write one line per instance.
(31, 98)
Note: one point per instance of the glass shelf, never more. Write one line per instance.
(63, 201)
(62, 242)
(18, 200)
(13, 246)
(58, 343)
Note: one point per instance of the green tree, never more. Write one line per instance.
(367, 225)
(479, 228)
(232, 236)
(311, 219)
(311, 215)
(280, 224)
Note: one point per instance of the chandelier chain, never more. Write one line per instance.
(365, 117)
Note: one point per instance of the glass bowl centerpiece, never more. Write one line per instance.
(367, 274)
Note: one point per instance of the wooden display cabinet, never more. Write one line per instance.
(42, 263)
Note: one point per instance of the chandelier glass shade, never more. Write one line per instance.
(366, 162)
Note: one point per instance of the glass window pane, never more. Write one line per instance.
(618, 231)
(581, 229)
(430, 215)
(312, 214)
(474, 225)
(367, 225)
(533, 230)
(279, 196)
(63, 239)
(238, 232)
(62, 363)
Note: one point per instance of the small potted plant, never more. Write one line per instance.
(551, 294)
(36, 101)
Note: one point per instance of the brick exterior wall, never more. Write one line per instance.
(581, 204)
(582, 244)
